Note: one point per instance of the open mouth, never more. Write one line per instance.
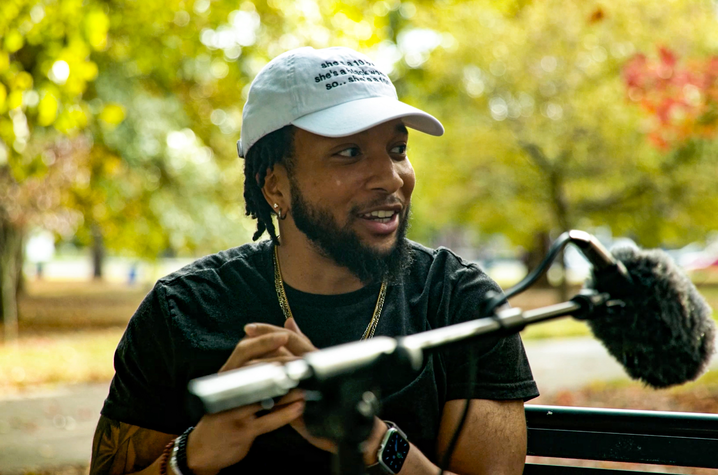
(381, 216)
(381, 222)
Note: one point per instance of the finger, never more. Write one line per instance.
(270, 405)
(241, 412)
(281, 351)
(278, 418)
(252, 329)
(291, 324)
(275, 359)
(298, 344)
(253, 348)
(290, 397)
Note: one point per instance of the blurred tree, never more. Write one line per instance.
(541, 133)
(167, 108)
(682, 96)
(44, 69)
(118, 122)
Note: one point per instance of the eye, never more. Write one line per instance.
(350, 152)
(399, 149)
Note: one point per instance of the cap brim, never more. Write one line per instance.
(356, 116)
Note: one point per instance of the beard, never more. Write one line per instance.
(342, 244)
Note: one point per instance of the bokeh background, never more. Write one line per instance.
(118, 123)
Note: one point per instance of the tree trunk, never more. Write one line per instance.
(19, 261)
(98, 252)
(536, 254)
(560, 207)
(10, 249)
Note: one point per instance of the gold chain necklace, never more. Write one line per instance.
(284, 303)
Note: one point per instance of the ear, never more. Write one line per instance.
(276, 188)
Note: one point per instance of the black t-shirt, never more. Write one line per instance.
(188, 325)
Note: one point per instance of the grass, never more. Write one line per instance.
(81, 356)
(68, 334)
(69, 331)
(697, 396)
(69, 306)
(569, 327)
(563, 328)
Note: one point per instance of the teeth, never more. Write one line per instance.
(380, 214)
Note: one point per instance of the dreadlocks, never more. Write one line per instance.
(275, 147)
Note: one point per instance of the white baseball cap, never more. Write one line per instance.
(333, 92)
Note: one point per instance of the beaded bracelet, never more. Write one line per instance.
(164, 458)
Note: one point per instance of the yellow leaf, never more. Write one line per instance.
(96, 26)
(64, 123)
(22, 81)
(6, 128)
(13, 41)
(14, 100)
(112, 164)
(4, 61)
(112, 114)
(78, 117)
(3, 95)
(47, 110)
(89, 71)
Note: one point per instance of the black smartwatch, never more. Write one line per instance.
(392, 452)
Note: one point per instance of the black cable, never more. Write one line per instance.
(530, 279)
(462, 421)
(488, 311)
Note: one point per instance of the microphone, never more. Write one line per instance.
(662, 333)
(643, 308)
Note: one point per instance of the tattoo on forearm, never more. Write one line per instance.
(120, 448)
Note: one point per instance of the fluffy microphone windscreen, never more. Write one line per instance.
(664, 334)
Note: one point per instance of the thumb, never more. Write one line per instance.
(291, 324)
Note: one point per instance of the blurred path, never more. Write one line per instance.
(572, 363)
(56, 427)
(53, 427)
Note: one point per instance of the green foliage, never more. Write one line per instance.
(129, 112)
(155, 91)
(541, 133)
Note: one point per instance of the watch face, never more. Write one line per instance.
(395, 452)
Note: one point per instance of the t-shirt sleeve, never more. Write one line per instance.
(143, 391)
(501, 368)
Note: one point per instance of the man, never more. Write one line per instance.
(325, 145)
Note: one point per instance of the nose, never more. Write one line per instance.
(386, 173)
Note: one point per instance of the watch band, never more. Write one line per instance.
(396, 454)
(178, 459)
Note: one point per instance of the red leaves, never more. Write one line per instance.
(682, 96)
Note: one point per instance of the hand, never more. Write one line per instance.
(297, 345)
(371, 446)
(223, 439)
